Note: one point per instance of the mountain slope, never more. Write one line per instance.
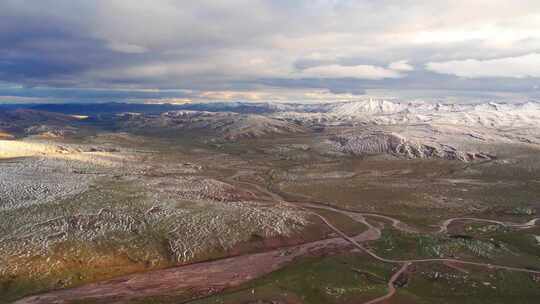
(226, 125)
(398, 145)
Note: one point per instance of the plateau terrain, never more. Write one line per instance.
(368, 201)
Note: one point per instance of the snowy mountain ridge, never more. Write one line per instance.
(490, 115)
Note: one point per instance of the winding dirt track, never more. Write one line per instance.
(391, 287)
(403, 227)
(406, 263)
(444, 226)
(207, 278)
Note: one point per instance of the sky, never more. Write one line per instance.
(258, 50)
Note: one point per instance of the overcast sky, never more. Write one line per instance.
(177, 50)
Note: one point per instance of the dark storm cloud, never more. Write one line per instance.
(116, 49)
(40, 49)
(102, 95)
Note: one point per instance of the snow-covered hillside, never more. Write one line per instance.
(384, 112)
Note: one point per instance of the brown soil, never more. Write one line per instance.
(192, 281)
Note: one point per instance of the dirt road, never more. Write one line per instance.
(444, 225)
(391, 285)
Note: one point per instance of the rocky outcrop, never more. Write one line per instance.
(397, 145)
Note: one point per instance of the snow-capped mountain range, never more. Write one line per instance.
(490, 115)
(411, 129)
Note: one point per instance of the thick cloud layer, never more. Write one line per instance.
(103, 50)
